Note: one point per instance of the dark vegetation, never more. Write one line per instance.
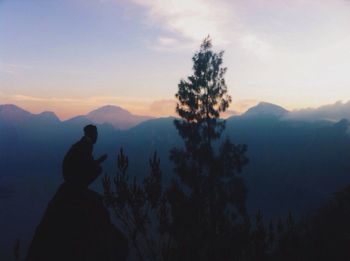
(200, 214)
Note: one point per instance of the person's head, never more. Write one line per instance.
(91, 132)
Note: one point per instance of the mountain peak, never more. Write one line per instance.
(343, 125)
(116, 116)
(11, 107)
(48, 115)
(109, 109)
(11, 112)
(266, 109)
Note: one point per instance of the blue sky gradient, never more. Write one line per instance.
(72, 56)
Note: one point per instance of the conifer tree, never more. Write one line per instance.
(208, 199)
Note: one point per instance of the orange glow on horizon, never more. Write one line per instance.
(66, 108)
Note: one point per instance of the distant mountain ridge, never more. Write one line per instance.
(122, 119)
(116, 116)
(13, 113)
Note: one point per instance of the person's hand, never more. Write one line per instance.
(102, 158)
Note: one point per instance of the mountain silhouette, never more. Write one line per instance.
(76, 226)
(116, 116)
(77, 121)
(343, 125)
(10, 113)
(48, 116)
(264, 109)
(119, 118)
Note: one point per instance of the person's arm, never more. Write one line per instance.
(91, 166)
(101, 159)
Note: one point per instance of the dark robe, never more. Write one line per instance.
(79, 166)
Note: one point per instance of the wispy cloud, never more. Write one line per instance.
(183, 24)
(7, 69)
(13, 68)
(190, 19)
(17, 68)
(241, 106)
(332, 112)
(165, 107)
(259, 27)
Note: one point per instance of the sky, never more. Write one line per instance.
(73, 56)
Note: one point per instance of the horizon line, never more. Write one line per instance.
(226, 114)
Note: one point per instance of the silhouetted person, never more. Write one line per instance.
(79, 167)
(76, 225)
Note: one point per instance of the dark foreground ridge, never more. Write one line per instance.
(77, 226)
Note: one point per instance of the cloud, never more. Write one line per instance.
(7, 68)
(165, 107)
(255, 45)
(241, 106)
(13, 68)
(190, 19)
(28, 98)
(261, 28)
(167, 40)
(5, 71)
(332, 112)
(228, 113)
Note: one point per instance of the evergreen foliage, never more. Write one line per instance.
(208, 198)
(140, 209)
